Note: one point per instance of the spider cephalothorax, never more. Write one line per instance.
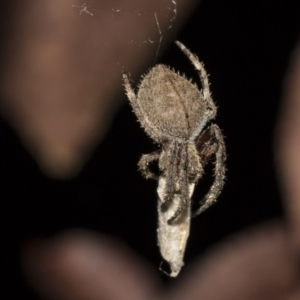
(177, 115)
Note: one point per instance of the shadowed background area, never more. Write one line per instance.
(70, 142)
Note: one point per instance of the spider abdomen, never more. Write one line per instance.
(171, 102)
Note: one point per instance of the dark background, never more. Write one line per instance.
(246, 46)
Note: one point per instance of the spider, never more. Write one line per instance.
(177, 115)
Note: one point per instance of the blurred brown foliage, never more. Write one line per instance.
(61, 75)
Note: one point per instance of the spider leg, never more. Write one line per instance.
(203, 77)
(184, 184)
(143, 164)
(133, 100)
(218, 183)
(170, 173)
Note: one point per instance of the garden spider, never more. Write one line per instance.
(177, 115)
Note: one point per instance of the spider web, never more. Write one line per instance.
(144, 14)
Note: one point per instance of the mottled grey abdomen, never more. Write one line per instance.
(171, 102)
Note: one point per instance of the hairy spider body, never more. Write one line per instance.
(176, 114)
(171, 106)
